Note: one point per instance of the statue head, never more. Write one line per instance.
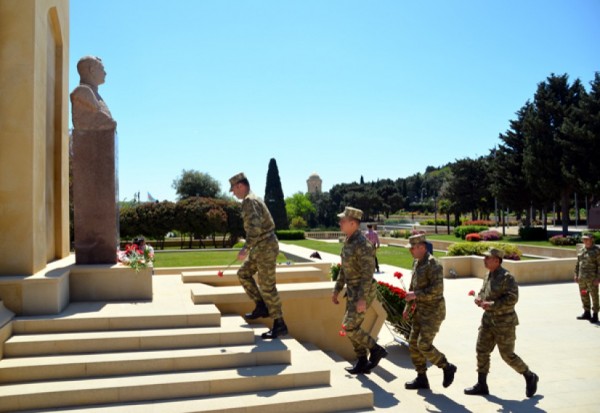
(91, 70)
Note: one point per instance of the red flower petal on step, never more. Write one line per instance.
(398, 274)
(220, 273)
(472, 293)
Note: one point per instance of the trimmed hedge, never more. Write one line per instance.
(533, 234)
(463, 230)
(511, 251)
(289, 234)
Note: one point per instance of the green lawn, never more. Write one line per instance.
(198, 258)
(396, 256)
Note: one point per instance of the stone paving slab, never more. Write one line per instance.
(563, 351)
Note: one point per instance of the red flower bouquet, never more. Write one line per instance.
(393, 300)
(135, 257)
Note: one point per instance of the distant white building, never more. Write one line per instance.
(314, 183)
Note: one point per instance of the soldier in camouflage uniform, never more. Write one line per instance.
(261, 249)
(587, 275)
(356, 273)
(427, 289)
(497, 298)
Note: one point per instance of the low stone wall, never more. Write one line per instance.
(109, 283)
(309, 313)
(525, 272)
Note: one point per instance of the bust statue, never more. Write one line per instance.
(89, 111)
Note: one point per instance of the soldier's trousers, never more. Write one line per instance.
(591, 292)
(262, 261)
(504, 338)
(360, 339)
(420, 343)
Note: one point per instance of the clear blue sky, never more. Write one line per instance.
(344, 88)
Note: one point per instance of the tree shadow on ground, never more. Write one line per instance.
(517, 406)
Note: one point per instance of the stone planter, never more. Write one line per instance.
(525, 272)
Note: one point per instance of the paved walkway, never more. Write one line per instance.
(560, 349)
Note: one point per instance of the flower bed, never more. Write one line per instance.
(473, 237)
(568, 240)
(511, 251)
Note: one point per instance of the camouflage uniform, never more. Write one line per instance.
(358, 265)
(262, 258)
(587, 270)
(499, 322)
(427, 282)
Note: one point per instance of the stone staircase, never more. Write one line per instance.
(115, 357)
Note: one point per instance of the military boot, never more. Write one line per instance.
(361, 366)
(377, 353)
(585, 316)
(259, 311)
(594, 318)
(279, 329)
(421, 382)
(531, 381)
(481, 388)
(449, 372)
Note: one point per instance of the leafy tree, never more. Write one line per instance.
(299, 205)
(468, 186)
(326, 211)
(192, 183)
(508, 183)
(583, 126)
(274, 196)
(550, 159)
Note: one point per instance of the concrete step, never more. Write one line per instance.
(60, 394)
(231, 332)
(310, 399)
(205, 294)
(79, 317)
(284, 274)
(24, 369)
(343, 394)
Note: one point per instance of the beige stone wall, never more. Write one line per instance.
(34, 217)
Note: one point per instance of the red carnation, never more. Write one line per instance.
(220, 273)
(584, 292)
(472, 293)
(342, 333)
(343, 327)
(398, 274)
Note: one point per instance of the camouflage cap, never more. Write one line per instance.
(586, 235)
(350, 212)
(494, 252)
(415, 240)
(236, 178)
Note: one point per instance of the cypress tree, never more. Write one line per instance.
(274, 196)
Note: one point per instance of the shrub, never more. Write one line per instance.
(400, 233)
(463, 230)
(289, 234)
(490, 235)
(481, 222)
(474, 237)
(511, 252)
(596, 235)
(298, 223)
(560, 240)
(533, 234)
(439, 221)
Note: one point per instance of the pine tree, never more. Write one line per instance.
(274, 196)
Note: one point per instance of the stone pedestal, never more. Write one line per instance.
(95, 196)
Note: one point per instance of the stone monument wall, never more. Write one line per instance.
(34, 181)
